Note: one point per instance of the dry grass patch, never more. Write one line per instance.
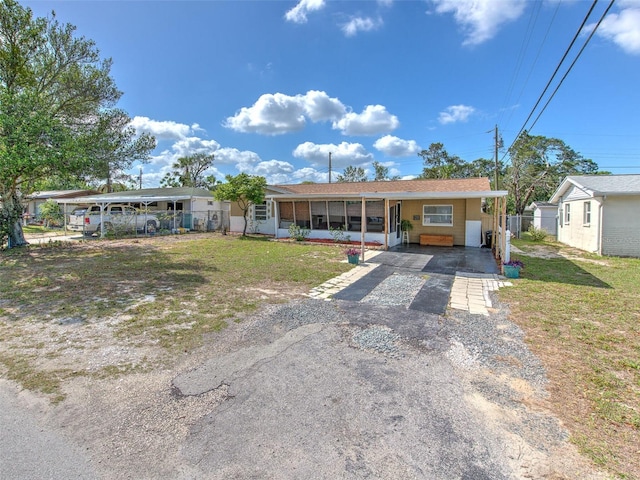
(582, 317)
(112, 307)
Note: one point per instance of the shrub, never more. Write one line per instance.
(339, 235)
(537, 234)
(298, 233)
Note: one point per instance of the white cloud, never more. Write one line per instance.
(359, 24)
(298, 14)
(456, 113)
(481, 19)
(272, 114)
(396, 147)
(374, 120)
(309, 174)
(318, 106)
(166, 130)
(191, 145)
(275, 114)
(342, 155)
(622, 28)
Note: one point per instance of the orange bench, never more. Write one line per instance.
(436, 240)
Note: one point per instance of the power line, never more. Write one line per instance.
(574, 62)
(573, 41)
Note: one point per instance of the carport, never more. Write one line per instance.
(196, 199)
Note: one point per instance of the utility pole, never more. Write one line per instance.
(495, 186)
(140, 178)
(329, 167)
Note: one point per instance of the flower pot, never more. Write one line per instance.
(355, 259)
(511, 272)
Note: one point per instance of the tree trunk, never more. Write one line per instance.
(12, 211)
(244, 231)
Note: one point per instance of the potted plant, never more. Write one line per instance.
(512, 268)
(406, 225)
(353, 255)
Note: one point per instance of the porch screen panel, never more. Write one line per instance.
(336, 215)
(354, 215)
(303, 217)
(319, 215)
(286, 214)
(375, 215)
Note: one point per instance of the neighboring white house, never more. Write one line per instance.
(545, 216)
(600, 213)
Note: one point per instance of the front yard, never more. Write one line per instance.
(101, 308)
(581, 315)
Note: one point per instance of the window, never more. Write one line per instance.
(586, 213)
(260, 212)
(567, 213)
(437, 215)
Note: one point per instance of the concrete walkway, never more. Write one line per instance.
(470, 291)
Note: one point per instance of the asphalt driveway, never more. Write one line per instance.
(436, 265)
(357, 388)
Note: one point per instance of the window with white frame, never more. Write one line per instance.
(586, 214)
(567, 213)
(260, 212)
(437, 215)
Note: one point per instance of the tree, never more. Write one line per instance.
(113, 146)
(246, 190)
(50, 212)
(189, 172)
(381, 173)
(538, 165)
(352, 174)
(439, 164)
(54, 89)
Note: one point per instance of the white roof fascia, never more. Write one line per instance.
(396, 195)
(564, 186)
(129, 199)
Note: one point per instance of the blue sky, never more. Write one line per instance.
(271, 87)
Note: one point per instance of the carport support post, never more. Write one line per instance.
(363, 224)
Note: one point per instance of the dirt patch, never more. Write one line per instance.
(549, 252)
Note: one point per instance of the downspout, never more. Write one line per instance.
(600, 229)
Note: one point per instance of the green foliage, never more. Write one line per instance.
(381, 173)
(438, 163)
(352, 174)
(298, 233)
(406, 225)
(56, 110)
(190, 171)
(245, 190)
(538, 166)
(537, 234)
(51, 213)
(339, 235)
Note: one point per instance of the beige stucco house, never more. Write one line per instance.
(600, 213)
(441, 211)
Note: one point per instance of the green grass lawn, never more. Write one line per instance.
(167, 291)
(581, 315)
